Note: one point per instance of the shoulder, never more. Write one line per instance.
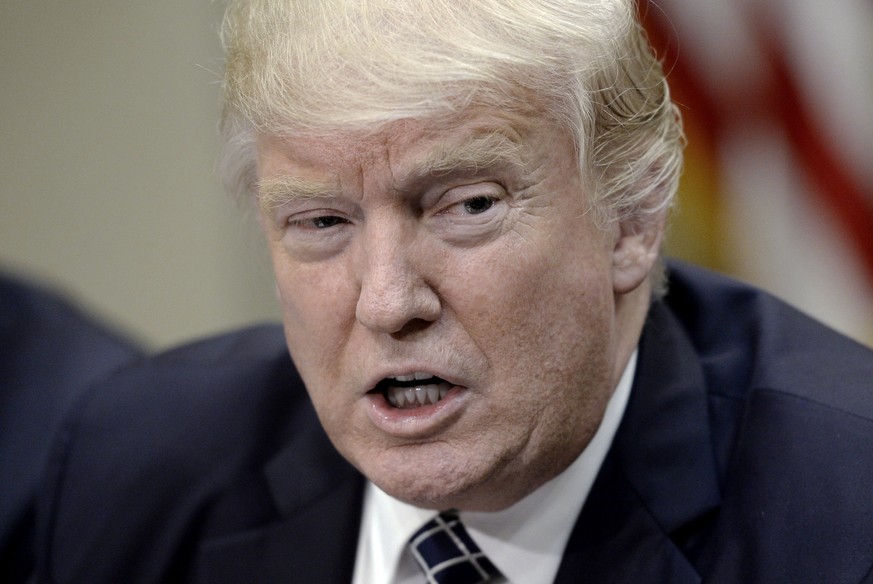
(146, 453)
(40, 327)
(196, 404)
(30, 311)
(187, 390)
(50, 352)
(791, 408)
(747, 338)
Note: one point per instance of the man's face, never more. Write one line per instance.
(448, 301)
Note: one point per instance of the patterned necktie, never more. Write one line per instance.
(447, 554)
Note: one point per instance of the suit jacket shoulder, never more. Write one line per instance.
(745, 453)
(164, 457)
(50, 352)
(743, 456)
(796, 400)
(748, 339)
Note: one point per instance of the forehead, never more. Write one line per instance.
(475, 138)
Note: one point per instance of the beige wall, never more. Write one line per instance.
(107, 166)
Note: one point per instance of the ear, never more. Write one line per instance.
(636, 249)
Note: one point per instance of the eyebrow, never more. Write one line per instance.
(482, 152)
(276, 191)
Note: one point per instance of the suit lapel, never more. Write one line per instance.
(652, 505)
(315, 544)
(297, 522)
(616, 539)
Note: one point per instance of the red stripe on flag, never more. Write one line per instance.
(832, 183)
(781, 101)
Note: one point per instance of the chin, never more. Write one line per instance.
(443, 487)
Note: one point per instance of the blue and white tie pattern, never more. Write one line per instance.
(447, 554)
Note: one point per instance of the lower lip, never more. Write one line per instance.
(419, 422)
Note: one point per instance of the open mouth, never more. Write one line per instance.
(415, 390)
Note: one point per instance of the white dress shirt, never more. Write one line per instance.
(525, 541)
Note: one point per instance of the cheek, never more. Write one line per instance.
(543, 321)
(318, 308)
(533, 292)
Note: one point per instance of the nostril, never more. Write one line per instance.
(413, 326)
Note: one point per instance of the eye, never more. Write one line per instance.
(475, 205)
(317, 223)
(327, 221)
(316, 235)
(478, 205)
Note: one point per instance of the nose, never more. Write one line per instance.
(395, 296)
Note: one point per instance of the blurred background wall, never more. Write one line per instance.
(108, 187)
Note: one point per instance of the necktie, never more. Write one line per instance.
(447, 554)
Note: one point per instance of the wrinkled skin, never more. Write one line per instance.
(397, 250)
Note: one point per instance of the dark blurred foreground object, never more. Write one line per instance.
(49, 353)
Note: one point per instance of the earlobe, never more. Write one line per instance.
(636, 250)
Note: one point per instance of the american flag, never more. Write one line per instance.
(777, 98)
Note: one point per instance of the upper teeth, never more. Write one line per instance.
(413, 397)
(417, 376)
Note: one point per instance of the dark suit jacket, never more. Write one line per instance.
(745, 455)
(50, 352)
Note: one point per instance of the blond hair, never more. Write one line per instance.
(298, 66)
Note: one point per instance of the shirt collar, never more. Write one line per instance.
(525, 541)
